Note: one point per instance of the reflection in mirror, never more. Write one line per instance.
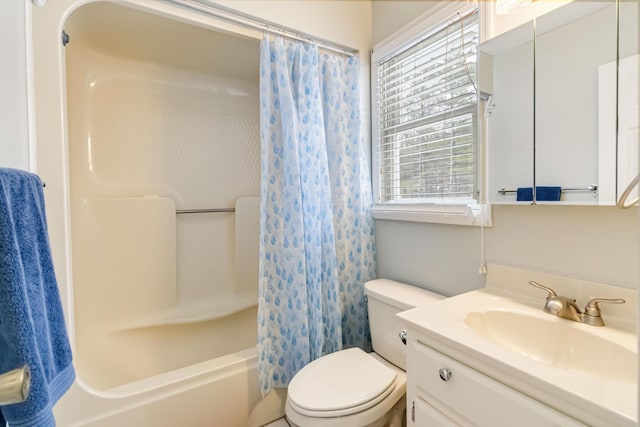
(628, 103)
(572, 43)
(506, 86)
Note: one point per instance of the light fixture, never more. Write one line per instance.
(504, 7)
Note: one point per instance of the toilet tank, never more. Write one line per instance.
(385, 299)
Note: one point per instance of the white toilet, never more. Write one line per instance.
(352, 388)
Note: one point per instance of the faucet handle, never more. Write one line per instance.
(551, 292)
(592, 315)
(593, 309)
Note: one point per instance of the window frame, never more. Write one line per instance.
(452, 211)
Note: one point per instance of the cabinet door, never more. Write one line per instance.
(628, 123)
(541, 121)
(572, 42)
(425, 415)
(506, 77)
(474, 399)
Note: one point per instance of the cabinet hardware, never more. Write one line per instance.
(445, 374)
(403, 336)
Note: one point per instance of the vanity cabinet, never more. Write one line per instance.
(444, 392)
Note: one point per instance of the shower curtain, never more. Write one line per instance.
(316, 231)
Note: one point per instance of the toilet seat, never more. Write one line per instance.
(341, 383)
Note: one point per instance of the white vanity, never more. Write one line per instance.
(493, 357)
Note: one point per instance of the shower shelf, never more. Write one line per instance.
(199, 311)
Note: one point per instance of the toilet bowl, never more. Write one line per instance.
(352, 388)
(347, 388)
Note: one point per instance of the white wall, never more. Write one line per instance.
(596, 243)
(442, 258)
(388, 16)
(14, 148)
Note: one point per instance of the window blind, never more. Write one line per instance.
(427, 116)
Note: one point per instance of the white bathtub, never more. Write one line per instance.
(219, 392)
(149, 109)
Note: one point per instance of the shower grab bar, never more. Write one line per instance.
(192, 211)
(589, 188)
(15, 385)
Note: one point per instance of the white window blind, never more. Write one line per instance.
(426, 107)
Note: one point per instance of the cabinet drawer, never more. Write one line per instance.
(426, 415)
(473, 398)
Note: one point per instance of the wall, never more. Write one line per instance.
(344, 22)
(596, 243)
(14, 148)
(388, 16)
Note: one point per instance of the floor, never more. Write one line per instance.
(279, 423)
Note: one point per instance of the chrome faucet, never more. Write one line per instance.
(567, 308)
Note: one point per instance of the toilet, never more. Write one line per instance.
(352, 388)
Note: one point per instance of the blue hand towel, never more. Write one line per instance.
(32, 328)
(524, 194)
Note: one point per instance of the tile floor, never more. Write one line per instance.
(279, 423)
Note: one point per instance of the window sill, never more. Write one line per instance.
(471, 214)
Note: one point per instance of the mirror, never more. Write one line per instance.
(572, 43)
(506, 88)
(628, 104)
(545, 128)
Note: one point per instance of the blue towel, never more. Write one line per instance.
(32, 328)
(524, 194)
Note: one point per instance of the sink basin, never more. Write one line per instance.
(557, 342)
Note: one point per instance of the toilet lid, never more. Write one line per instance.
(340, 383)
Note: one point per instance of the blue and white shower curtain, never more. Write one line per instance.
(316, 231)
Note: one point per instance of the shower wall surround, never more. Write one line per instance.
(189, 155)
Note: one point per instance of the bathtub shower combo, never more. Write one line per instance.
(150, 150)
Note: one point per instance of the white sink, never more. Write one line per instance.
(586, 372)
(559, 342)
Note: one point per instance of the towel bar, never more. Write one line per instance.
(190, 211)
(589, 188)
(15, 385)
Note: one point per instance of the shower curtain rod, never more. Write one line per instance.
(251, 22)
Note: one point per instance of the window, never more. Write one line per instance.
(425, 123)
